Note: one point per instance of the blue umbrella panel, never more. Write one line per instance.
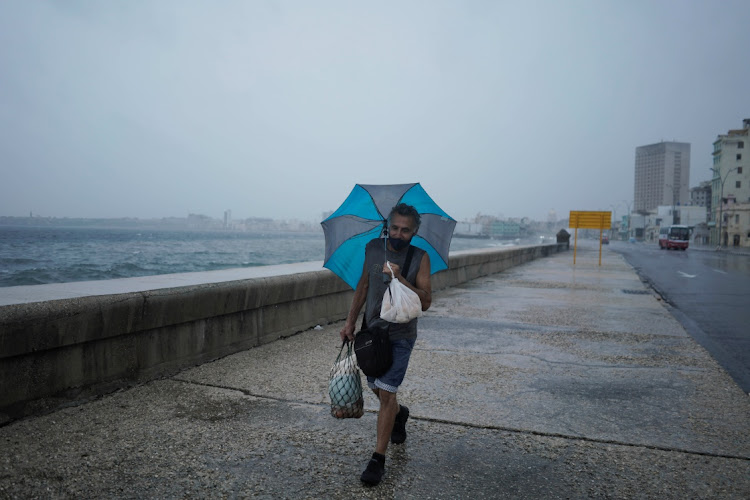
(362, 217)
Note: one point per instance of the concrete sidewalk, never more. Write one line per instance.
(545, 381)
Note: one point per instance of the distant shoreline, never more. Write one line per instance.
(193, 223)
(472, 236)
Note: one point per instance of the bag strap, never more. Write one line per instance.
(409, 255)
(341, 351)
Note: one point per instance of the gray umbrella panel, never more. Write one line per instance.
(387, 196)
(342, 228)
(438, 231)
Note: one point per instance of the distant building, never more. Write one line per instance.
(505, 229)
(638, 224)
(736, 228)
(692, 216)
(646, 225)
(227, 219)
(662, 175)
(700, 196)
(685, 216)
(731, 188)
(201, 222)
(471, 229)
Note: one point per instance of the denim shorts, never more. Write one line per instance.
(391, 379)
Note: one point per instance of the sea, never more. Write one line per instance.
(41, 255)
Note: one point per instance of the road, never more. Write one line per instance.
(709, 293)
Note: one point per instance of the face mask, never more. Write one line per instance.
(397, 244)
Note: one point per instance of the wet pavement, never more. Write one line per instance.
(548, 380)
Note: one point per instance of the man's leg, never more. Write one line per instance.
(385, 388)
(386, 418)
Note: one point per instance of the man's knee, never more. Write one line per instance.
(386, 397)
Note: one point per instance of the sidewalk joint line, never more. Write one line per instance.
(583, 365)
(243, 391)
(488, 427)
(581, 438)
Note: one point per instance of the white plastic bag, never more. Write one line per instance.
(400, 303)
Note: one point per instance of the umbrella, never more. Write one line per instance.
(362, 217)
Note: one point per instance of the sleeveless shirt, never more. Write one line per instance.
(375, 256)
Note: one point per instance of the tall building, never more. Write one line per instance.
(662, 175)
(731, 188)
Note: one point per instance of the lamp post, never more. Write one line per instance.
(717, 173)
(674, 195)
(614, 214)
(628, 203)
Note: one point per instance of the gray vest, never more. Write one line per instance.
(375, 257)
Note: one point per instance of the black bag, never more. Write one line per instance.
(372, 347)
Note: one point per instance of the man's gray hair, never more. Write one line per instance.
(406, 211)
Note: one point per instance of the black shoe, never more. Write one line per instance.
(398, 434)
(373, 473)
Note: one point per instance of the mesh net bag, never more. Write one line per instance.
(345, 385)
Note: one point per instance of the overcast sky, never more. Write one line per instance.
(157, 108)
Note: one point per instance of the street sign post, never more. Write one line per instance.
(589, 220)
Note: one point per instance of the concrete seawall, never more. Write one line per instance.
(59, 344)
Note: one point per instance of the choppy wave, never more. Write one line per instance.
(35, 256)
(27, 277)
(11, 261)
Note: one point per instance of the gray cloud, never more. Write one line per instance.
(277, 109)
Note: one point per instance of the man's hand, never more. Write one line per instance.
(347, 333)
(396, 269)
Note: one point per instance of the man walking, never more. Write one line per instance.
(403, 224)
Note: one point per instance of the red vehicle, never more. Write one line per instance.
(676, 237)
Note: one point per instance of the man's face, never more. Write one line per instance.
(402, 227)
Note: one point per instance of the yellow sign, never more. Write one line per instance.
(590, 220)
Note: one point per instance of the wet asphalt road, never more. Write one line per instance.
(545, 381)
(710, 292)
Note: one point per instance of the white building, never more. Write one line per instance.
(638, 224)
(685, 216)
(691, 215)
(731, 188)
(662, 175)
(645, 226)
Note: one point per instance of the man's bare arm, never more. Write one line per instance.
(360, 296)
